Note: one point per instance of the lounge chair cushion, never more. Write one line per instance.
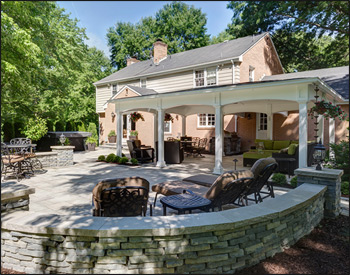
(169, 188)
(260, 164)
(292, 148)
(224, 179)
(202, 179)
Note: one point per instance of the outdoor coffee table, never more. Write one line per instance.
(184, 202)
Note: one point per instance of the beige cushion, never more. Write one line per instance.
(202, 179)
(169, 188)
(223, 180)
(260, 164)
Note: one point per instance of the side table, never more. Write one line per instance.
(184, 202)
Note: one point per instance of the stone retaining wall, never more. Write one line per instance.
(15, 198)
(219, 242)
(47, 159)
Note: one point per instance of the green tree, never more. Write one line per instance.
(179, 25)
(221, 37)
(315, 33)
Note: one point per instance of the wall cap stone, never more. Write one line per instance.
(42, 154)
(9, 191)
(42, 223)
(60, 147)
(324, 173)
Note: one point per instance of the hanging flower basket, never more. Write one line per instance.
(327, 109)
(135, 116)
(168, 117)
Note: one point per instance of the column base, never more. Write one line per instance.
(218, 170)
(161, 164)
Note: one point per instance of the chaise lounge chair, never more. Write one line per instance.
(199, 184)
(121, 197)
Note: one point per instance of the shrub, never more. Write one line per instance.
(101, 158)
(123, 160)
(279, 178)
(134, 161)
(134, 133)
(91, 140)
(112, 133)
(82, 128)
(110, 157)
(345, 188)
(35, 128)
(294, 182)
(117, 159)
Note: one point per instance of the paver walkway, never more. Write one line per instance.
(67, 190)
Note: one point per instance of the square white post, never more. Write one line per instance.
(161, 162)
(119, 131)
(331, 134)
(155, 129)
(302, 134)
(218, 169)
(183, 118)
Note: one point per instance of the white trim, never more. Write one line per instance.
(205, 72)
(114, 84)
(122, 89)
(143, 78)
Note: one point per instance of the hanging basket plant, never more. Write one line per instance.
(168, 117)
(135, 116)
(327, 109)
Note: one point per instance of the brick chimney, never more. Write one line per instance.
(131, 60)
(160, 51)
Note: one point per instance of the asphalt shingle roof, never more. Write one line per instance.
(225, 50)
(337, 78)
(142, 91)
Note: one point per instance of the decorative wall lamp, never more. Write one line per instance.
(113, 115)
(319, 154)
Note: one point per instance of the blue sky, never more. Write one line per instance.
(97, 16)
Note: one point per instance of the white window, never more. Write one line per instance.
(114, 89)
(206, 120)
(262, 122)
(167, 127)
(205, 77)
(199, 78)
(251, 73)
(143, 82)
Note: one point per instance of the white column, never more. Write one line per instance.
(302, 134)
(119, 131)
(128, 126)
(218, 140)
(183, 118)
(270, 126)
(331, 134)
(161, 162)
(155, 129)
(320, 131)
(236, 127)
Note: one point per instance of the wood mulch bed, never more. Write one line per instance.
(324, 251)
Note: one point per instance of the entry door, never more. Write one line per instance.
(261, 126)
(128, 125)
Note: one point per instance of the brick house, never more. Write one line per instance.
(234, 86)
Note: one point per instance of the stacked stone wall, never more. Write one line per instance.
(223, 248)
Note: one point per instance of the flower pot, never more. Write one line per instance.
(112, 139)
(91, 146)
(133, 137)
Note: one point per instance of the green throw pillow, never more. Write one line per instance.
(292, 148)
(280, 144)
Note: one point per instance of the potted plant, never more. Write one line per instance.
(168, 117)
(135, 116)
(91, 143)
(327, 109)
(133, 135)
(112, 137)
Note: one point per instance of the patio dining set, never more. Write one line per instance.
(18, 158)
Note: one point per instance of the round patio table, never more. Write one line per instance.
(185, 202)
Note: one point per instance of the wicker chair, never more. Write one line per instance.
(141, 154)
(121, 197)
(200, 148)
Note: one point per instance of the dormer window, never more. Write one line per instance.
(114, 89)
(251, 73)
(205, 77)
(143, 82)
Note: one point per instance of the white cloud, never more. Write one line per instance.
(96, 41)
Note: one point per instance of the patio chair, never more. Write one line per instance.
(121, 197)
(10, 163)
(142, 154)
(200, 148)
(262, 170)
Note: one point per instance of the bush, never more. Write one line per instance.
(345, 188)
(35, 128)
(110, 157)
(134, 161)
(279, 178)
(123, 160)
(101, 158)
(123, 155)
(82, 128)
(91, 140)
(117, 159)
(294, 182)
